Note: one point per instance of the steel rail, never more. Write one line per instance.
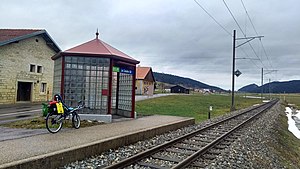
(186, 162)
(137, 157)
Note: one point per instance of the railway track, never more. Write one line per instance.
(196, 149)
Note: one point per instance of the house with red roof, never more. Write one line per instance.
(98, 74)
(144, 81)
(26, 68)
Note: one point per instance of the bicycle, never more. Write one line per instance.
(56, 117)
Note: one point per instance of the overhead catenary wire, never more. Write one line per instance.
(234, 18)
(249, 17)
(264, 50)
(218, 23)
(260, 59)
(242, 32)
(221, 26)
(239, 28)
(246, 19)
(213, 18)
(250, 58)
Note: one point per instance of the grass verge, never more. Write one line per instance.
(287, 146)
(195, 106)
(292, 99)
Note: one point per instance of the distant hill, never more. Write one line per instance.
(252, 88)
(275, 87)
(186, 82)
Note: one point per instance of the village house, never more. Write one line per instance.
(180, 89)
(26, 68)
(144, 81)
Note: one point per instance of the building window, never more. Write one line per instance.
(43, 87)
(32, 68)
(39, 69)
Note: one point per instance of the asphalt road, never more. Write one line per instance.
(145, 97)
(18, 112)
(10, 113)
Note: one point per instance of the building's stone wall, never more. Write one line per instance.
(15, 60)
(144, 87)
(139, 87)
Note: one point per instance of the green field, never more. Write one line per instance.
(195, 105)
(291, 98)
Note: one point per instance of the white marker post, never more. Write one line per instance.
(210, 109)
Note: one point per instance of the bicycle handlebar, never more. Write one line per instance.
(77, 108)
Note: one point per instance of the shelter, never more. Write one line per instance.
(100, 75)
(179, 89)
(26, 66)
(144, 81)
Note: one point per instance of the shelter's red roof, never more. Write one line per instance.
(7, 34)
(98, 47)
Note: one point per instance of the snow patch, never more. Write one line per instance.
(298, 114)
(266, 101)
(291, 122)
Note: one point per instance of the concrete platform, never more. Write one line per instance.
(54, 150)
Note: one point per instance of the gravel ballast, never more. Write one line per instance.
(251, 150)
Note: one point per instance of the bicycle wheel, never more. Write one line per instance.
(54, 122)
(75, 120)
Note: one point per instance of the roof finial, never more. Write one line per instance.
(97, 34)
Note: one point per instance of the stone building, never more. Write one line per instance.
(26, 68)
(144, 81)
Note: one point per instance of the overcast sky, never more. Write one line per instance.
(175, 36)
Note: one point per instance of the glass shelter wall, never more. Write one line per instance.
(57, 76)
(115, 83)
(87, 79)
(122, 91)
(125, 92)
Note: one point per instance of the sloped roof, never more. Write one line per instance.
(142, 72)
(180, 86)
(98, 47)
(8, 36)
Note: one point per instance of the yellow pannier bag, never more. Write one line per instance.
(60, 109)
